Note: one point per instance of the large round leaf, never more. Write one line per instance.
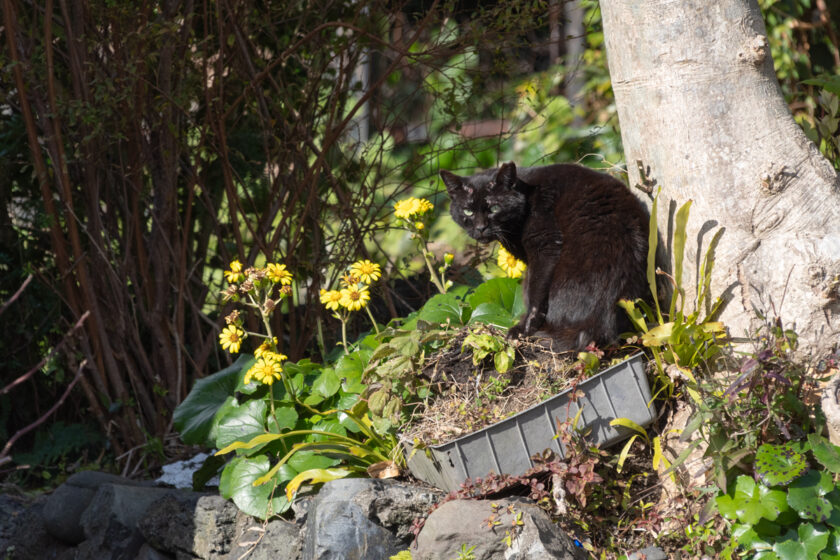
(194, 417)
(751, 502)
(825, 452)
(349, 369)
(808, 541)
(327, 384)
(250, 499)
(241, 424)
(807, 495)
(779, 464)
(499, 291)
(492, 314)
(285, 418)
(444, 308)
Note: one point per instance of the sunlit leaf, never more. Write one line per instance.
(314, 476)
(195, 417)
(242, 423)
(779, 464)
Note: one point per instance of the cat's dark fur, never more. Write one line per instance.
(583, 235)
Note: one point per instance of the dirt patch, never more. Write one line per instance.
(469, 396)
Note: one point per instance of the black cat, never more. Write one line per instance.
(583, 235)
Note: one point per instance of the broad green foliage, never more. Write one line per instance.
(795, 515)
(398, 360)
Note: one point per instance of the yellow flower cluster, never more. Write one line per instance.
(268, 367)
(512, 266)
(258, 284)
(355, 293)
(276, 273)
(410, 207)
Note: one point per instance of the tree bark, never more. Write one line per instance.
(701, 109)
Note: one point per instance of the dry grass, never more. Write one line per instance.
(468, 397)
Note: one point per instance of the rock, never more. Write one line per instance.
(190, 525)
(395, 506)
(65, 505)
(510, 530)
(110, 521)
(278, 539)
(649, 553)
(337, 528)
(23, 535)
(147, 552)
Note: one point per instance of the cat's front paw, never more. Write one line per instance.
(516, 331)
(521, 330)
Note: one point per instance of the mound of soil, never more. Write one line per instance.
(468, 396)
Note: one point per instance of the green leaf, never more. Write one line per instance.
(241, 424)
(779, 465)
(195, 417)
(208, 470)
(653, 240)
(832, 549)
(807, 493)
(315, 476)
(807, 542)
(442, 309)
(499, 291)
(751, 502)
(680, 224)
(825, 452)
(826, 82)
(331, 425)
(286, 418)
(492, 314)
(254, 500)
(305, 460)
(349, 369)
(504, 360)
(327, 384)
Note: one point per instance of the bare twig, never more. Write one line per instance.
(40, 364)
(16, 294)
(4, 454)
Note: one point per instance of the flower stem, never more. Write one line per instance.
(344, 333)
(435, 280)
(372, 320)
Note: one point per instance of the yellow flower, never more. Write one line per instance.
(266, 370)
(354, 297)
(512, 266)
(349, 280)
(409, 207)
(419, 225)
(448, 258)
(278, 273)
(266, 347)
(366, 271)
(331, 299)
(235, 273)
(231, 338)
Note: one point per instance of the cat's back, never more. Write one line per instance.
(568, 187)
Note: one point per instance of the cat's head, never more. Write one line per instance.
(487, 205)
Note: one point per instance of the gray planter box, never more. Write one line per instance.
(621, 391)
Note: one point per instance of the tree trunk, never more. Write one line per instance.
(701, 109)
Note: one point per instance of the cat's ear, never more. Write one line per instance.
(506, 175)
(453, 182)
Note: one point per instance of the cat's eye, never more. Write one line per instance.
(468, 213)
(495, 208)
